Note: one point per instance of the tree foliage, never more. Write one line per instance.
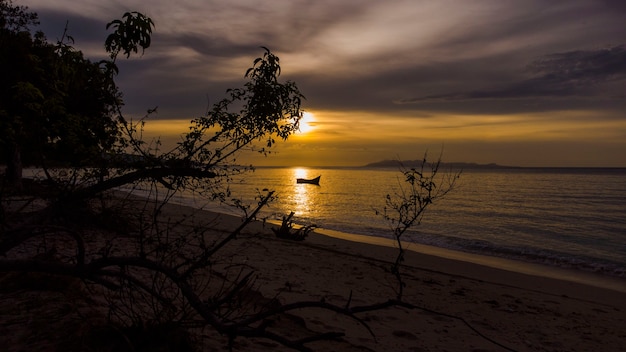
(55, 105)
(16, 18)
(130, 33)
(269, 108)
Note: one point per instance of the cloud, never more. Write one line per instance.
(569, 74)
(88, 34)
(352, 55)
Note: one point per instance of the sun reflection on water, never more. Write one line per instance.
(300, 172)
(302, 192)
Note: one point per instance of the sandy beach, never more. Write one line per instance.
(462, 302)
(552, 310)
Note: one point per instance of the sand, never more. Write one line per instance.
(462, 302)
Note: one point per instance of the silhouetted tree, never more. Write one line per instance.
(56, 107)
(15, 46)
(421, 187)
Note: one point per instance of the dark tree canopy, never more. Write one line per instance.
(59, 109)
(16, 18)
(56, 107)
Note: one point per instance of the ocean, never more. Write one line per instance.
(570, 218)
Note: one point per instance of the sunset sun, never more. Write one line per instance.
(307, 123)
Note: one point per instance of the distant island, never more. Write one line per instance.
(417, 163)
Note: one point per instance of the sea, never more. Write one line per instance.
(565, 217)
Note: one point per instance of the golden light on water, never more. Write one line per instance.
(300, 172)
(301, 194)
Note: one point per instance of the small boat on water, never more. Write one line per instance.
(313, 181)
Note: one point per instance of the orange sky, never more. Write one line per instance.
(354, 139)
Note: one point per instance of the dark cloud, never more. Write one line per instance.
(475, 61)
(379, 89)
(617, 5)
(571, 71)
(213, 46)
(83, 29)
(560, 75)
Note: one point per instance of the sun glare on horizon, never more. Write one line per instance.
(307, 123)
(300, 172)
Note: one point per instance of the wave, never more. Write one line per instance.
(520, 253)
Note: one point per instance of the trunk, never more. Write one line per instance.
(14, 166)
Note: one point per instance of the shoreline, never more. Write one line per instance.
(433, 254)
(430, 253)
(511, 265)
(528, 266)
(563, 261)
(505, 264)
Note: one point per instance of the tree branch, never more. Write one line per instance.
(138, 175)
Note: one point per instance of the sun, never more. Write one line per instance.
(307, 123)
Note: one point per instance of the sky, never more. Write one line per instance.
(512, 82)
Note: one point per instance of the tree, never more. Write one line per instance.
(14, 22)
(422, 186)
(56, 107)
(16, 18)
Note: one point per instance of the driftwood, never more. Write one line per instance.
(287, 231)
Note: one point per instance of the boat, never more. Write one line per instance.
(313, 181)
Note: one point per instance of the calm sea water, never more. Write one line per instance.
(572, 218)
